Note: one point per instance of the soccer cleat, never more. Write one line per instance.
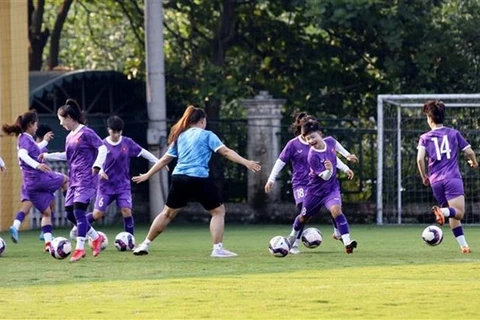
(13, 234)
(141, 250)
(77, 255)
(335, 237)
(439, 217)
(349, 247)
(40, 237)
(222, 253)
(466, 250)
(97, 245)
(48, 247)
(295, 249)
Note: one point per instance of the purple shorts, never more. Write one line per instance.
(124, 200)
(23, 194)
(312, 204)
(41, 192)
(299, 194)
(79, 194)
(447, 189)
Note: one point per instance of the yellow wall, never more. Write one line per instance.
(13, 100)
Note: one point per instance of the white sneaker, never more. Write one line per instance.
(141, 250)
(295, 250)
(222, 253)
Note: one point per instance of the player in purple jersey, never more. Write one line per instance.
(296, 151)
(43, 135)
(441, 145)
(117, 167)
(85, 154)
(193, 146)
(323, 188)
(39, 181)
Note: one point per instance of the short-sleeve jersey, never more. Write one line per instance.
(316, 160)
(296, 151)
(117, 165)
(25, 141)
(193, 150)
(81, 148)
(442, 147)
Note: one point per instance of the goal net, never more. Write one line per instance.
(401, 195)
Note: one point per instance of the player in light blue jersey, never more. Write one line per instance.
(442, 145)
(192, 146)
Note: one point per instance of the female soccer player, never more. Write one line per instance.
(43, 136)
(117, 168)
(323, 188)
(193, 146)
(296, 152)
(441, 145)
(85, 154)
(39, 182)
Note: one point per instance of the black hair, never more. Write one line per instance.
(436, 110)
(21, 124)
(299, 119)
(115, 123)
(72, 109)
(309, 127)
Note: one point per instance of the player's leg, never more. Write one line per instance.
(124, 202)
(311, 206)
(295, 247)
(334, 204)
(457, 205)
(25, 208)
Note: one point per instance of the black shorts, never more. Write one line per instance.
(185, 188)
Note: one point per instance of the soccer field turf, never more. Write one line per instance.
(392, 274)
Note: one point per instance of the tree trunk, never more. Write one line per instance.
(56, 33)
(36, 37)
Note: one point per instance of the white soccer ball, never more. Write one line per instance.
(104, 243)
(279, 246)
(60, 248)
(3, 247)
(124, 241)
(312, 238)
(432, 235)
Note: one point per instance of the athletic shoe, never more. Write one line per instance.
(222, 253)
(466, 250)
(349, 247)
(77, 255)
(40, 237)
(13, 234)
(97, 245)
(141, 250)
(335, 237)
(295, 249)
(48, 247)
(439, 217)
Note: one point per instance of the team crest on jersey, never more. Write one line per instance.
(299, 151)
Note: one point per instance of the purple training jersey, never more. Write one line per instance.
(316, 160)
(442, 147)
(117, 165)
(81, 150)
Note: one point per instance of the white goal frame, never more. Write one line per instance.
(406, 101)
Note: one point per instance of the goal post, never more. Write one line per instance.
(401, 196)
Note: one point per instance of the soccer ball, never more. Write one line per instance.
(432, 235)
(279, 246)
(3, 247)
(312, 238)
(60, 248)
(104, 243)
(124, 241)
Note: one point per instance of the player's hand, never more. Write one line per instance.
(3, 169)
(253, 166)
(103, 175)
(140, 178)
(95, 171)
(352, 158)
(426, 181)
(472, 164)
(269, 186)
(43, 167)
(328, 165)
(48, 136)
(42, 157)
(350, 174)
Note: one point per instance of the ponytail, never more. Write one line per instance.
(191, 116)
(21, 124)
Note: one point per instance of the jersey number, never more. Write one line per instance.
(443, 148)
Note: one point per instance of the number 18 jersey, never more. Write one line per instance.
(442, 146)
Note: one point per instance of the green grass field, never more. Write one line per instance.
(392, 275)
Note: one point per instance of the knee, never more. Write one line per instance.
(218, 212)
(169, 214)
(126, 212)
(336, 211)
